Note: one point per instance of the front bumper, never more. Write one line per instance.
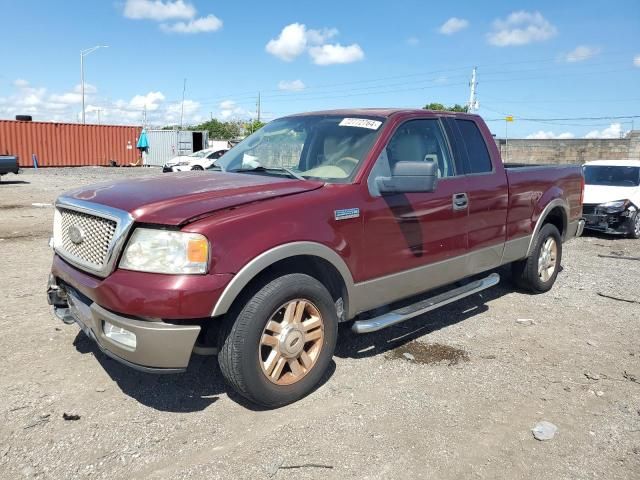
(160, 347)
(181, 168)
(147, 295)
(620, 223)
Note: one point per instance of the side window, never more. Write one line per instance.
(477, 153)
(419, 141)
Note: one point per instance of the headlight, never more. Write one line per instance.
(182, 164)
(166, 251)
(615, 206)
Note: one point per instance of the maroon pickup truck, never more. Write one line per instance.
(314, 220)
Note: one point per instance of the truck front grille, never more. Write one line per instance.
(85, 239)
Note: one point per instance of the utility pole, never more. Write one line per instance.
(258, 107)
(98, 110)
(144, 116)
(184, 88)
(472, 106)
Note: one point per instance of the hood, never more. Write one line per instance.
(179, 158)
(597, 194)
(177, 199)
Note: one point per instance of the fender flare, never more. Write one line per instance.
(268, 258)
(557, 202)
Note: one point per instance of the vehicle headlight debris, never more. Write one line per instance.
(615, 206)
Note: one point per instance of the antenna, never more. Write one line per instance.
(473, 104)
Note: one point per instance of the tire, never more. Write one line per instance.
(529, 273)
(248, 351)
(634, 227)
(197, 167)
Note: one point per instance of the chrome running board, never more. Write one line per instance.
(405, 313)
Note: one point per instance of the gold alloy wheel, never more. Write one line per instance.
(547, 259)
(291, 342)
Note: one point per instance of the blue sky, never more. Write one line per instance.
(538, 60)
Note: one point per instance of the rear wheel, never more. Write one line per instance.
(538, 272)
(281, 342)
(197, 167)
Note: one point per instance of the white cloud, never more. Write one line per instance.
(163, 10)
(330, 54)
(20, 83)
(291, 86)
(542, 135)
(158, 10)
(88, 88)
(291, 42)
(210, 23)
(65, 107)
(413, 41)
(296, 38)
(521, 28)
(229, 109)
(151, 101)
(67, 98)
(175, 111)
(453, 25)
(612, 131)
(315, 37)
(636, 60)
(581, 53)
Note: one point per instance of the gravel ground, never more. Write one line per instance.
(454, 394)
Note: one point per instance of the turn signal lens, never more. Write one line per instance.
(198, 250)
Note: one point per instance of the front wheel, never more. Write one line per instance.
(197, 167)
(538, 272)
(280, 344)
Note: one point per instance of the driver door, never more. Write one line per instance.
(414, 241)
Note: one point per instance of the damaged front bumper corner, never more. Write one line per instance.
(616, 223)
(149, 346)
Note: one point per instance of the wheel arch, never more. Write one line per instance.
(555, 212)
(314, 259)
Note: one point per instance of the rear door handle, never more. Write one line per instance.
(460, 201)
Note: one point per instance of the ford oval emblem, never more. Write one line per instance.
(76, 234)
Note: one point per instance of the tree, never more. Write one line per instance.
(441, 107)
(253, 126)
(220, 130)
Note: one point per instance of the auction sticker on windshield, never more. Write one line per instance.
(360, 122)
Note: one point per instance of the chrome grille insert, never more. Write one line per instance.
(86, 237)
(89, 235)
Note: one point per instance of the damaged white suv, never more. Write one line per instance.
(612, 196)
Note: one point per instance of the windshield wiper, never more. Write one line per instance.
(288, 171)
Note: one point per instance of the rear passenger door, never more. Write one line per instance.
(487, 192)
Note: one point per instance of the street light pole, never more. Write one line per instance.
(84, 53)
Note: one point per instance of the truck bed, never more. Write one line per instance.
(529, 192)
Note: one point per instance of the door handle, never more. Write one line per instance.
(460, 201)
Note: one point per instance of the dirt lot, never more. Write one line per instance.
(451, 395)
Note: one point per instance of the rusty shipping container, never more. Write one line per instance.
(69, 144)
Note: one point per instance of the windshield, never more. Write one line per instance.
(612, 176)
(200, 154)
(325, 147)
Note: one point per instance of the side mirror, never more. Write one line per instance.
(408, 177)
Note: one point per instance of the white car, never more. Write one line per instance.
(612, 196)
(200, 160)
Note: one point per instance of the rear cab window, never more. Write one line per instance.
(469, 146)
